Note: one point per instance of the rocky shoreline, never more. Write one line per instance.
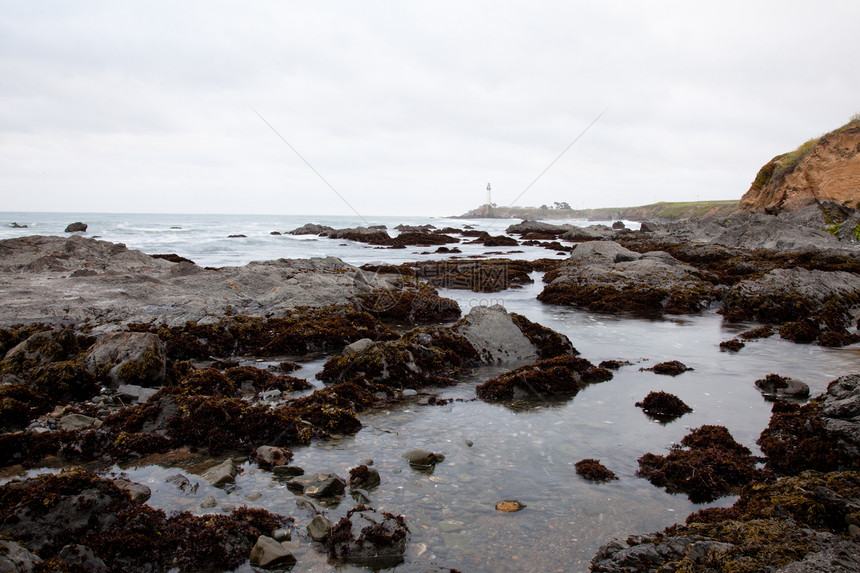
(112, 355)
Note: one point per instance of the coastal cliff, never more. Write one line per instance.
(822, 169)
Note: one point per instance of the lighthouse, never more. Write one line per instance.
(488, 206)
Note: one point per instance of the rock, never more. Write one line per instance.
(268, 457)
(134, 393)
(132, 286)
(593, 470)
(712, 466)
(510, 505)
(222, 474)
(787, 295)
(537, 227)
(560, 376)
(16, 225)
(139, 493)
(363, 477)
(590, 233)
(73, 422)
(311, 229)
(604, 276)
(76, 227)
(287, 472)
(357, 346)
(319, 528)
(270, 554)
(663, 406)
(81, 558)
(423, 458)
(493, 333)
(373, 539)
(40, 349)
(317, 485)
(183, 483)
(618, 225)
(208, 502)
(774, 386)
(136, 358)
(669, 368)
(16, 559)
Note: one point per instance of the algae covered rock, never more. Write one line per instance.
(712, 465)
(563, 375)
(604, 276)
(129, 358)
(369, 537)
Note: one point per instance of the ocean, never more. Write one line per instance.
(205, 239)
(525, 451)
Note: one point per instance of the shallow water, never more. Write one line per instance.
(527, 450)
(524, 450)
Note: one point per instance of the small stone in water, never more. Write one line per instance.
(509, 505)
(208, 502)
(470, 443)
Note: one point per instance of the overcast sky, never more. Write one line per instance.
(409, 108)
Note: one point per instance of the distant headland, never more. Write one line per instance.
(653, 212)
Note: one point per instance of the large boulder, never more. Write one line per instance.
(604, 276)
(40, 349)
(129, 358)
(501, 337)
(784, 295)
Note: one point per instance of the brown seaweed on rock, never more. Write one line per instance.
(563, 375)
(49, 512)
(663, 406)
(713, 465)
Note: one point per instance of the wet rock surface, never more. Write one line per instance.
(605, 276)
(560, 376)
(369, 538)
(73, 517)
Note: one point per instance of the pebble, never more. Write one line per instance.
(208, 502)
(254, 496)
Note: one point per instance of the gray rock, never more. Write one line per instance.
(138, 492)
(365, 479)
(373, 539)
(494, 335)
(311, 229)
(82, 558)
(319, 528)
(537, 227)
(281, 534)
(590, 233)
(318, 485)
(16, 559)
(131, 286)
(222, 474)
(423, 458)
(130, 358)
(783, 387)
(72, 422)
(841, 557)
(270, 554)
(208, 502)
(357, 346)
(76, 227)
(287, 472)
(814, 286)
(45, 347)
(132, 393)
(183, 483)
(268, 457)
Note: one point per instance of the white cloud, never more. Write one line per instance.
(408, 108)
